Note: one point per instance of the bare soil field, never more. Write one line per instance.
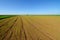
(30, 28)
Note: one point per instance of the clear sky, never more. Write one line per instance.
(29, 6)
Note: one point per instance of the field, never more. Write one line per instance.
(30, 28)
(6, 16)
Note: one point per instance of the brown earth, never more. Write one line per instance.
(30, 28)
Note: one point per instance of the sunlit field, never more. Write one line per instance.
(30, 27)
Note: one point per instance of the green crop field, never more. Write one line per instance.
(5, 16)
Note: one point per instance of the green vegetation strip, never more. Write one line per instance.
(5, 16)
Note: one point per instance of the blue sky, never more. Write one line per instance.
(29, 7)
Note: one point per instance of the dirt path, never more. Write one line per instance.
(30, 28)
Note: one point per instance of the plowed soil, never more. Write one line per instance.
(30, 28)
